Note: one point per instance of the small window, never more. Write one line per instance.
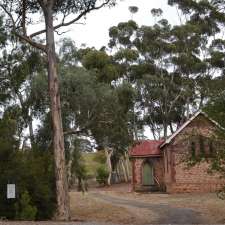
(193, 149)
(167, 160)
(211, 150)
(201, 145)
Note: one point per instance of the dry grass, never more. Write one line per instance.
(209, 205)
(87, 208)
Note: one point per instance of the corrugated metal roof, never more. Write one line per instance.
(146, 148)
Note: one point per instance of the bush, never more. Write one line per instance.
(102, 175)
(25, 209)
(33, 173)
(100, 157)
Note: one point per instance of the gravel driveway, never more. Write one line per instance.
(55, 223)
(167, 213)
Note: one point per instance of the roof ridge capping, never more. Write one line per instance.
(168, 140)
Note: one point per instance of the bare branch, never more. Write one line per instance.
(24, 3)
(60, 33)
(31, 42)
(74, 131)
(9, 14)
(22, 36)
(64, 24)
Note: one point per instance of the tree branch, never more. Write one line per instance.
(24, 6)
(64, 24)
(74, 131)
(31, 42)
(22, 36)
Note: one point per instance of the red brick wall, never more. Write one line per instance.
(179, 177)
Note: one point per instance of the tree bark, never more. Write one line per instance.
(28, 117)
(127, 165)
(124, 170)
(171, 128)
(108, 154)
(63, 210)
(165, 126)
(188, 108)
(69, 168)
(31, 131)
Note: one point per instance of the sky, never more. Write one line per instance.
(95, 31)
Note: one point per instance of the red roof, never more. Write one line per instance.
(146, 148)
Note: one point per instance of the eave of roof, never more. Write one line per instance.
(144, 156)
(168, 140)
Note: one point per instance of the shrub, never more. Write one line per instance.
(100, 157)
(32, 172)
(25, 209)
(102, 175)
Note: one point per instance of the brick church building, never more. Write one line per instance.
(162, 165)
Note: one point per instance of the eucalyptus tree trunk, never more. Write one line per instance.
(31, 132)
(127, 165)
(124, 170)
(108, 154)
(63, 211)
(188, 108)
(165, 126)
(69, 169)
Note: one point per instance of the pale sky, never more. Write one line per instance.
(95, 31)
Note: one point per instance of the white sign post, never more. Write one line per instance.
(11, 191)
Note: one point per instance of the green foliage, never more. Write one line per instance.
(61, 6)
(78, 164)
(24, 168)
(102, 175)
(216, 107)
(100, 157)
(30, 170)
(3, 32)
(156, 12)
(93, 161)
(25, 209)
(133, 9)
(122, 34)
(101, 65)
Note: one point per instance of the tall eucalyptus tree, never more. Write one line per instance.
(20, 15)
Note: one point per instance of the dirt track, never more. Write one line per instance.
(168, 214)
(54, 223)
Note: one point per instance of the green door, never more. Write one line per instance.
(148, 174)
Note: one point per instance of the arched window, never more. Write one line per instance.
(148, 175)
(211, 148)
(193, 149)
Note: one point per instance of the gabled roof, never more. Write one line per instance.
(146, 148)
(152, 147)
(168, 140)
